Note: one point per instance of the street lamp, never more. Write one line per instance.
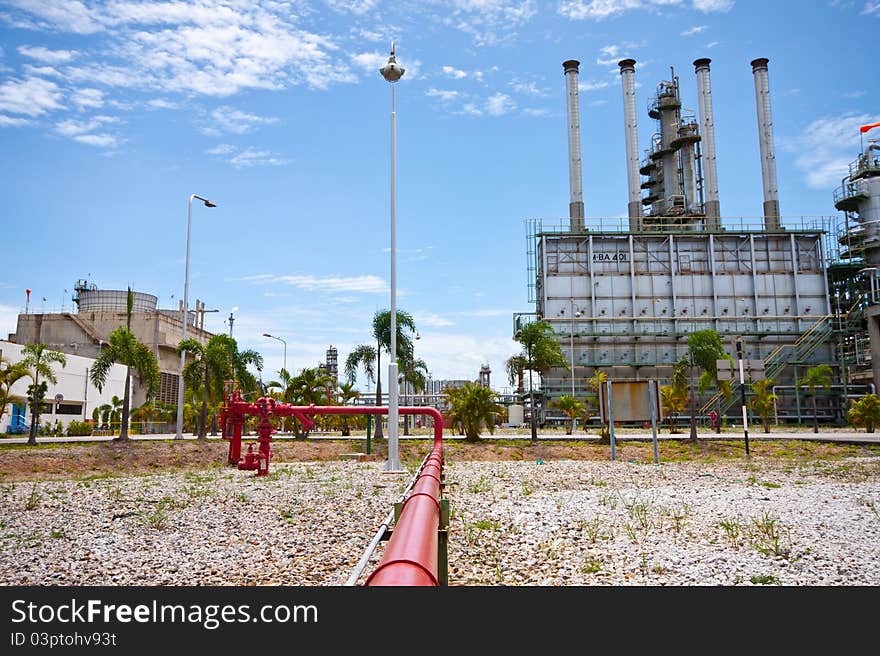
(392, 72)
(742, 390)
(231, 319)
(207, 203)
(574, 314)
(285, 347)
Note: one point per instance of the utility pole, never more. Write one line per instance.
(742, 391)
(693, 400)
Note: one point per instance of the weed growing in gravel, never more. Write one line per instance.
(638, 512)
(598, 483)
(526, 488)
(657, 568)
(114, 494)
(769, 537)
(678, 517)
(482, 485)
(486, 525)
(764, 579)
(157, 519)
(194, 491)
(34, 498)
(608, 500)
(733, 530)
(288, 516)
(241, 497)
(57, 534)
(592, 528)
(591, 565)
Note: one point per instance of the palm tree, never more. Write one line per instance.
(473, 407)
(818, 376)
(570, 407)
(10, 373)
(309, 387)
(38, 360)
(211, 365)
(540, 352)
(364, 355)
(865, 412)
(282, 384)
(124, 348)
(516, 366)
(241, 360)
(674, 401)
(346, 394)
(414, 373)
(764, 401)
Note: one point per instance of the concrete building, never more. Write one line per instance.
(73, 398)
(99, 312)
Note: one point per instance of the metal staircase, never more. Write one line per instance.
(783, 355)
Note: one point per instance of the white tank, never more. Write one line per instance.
(516, 415)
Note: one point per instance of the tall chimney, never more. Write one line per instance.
(765, 140)
(576, 206)
(707, 134)
(628, 82)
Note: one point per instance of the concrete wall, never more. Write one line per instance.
(73, 384)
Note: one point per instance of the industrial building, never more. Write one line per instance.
(100, 311)
(623, 294)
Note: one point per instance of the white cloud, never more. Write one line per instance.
(249, 157)
(593, 86)
(88, 98)
(370, 62)
(84, 131)
(358, 7)
(431, 319)
(213, 47)
(47, 56)
(697, 29)
(221, 149)
(526, 88)
(872, 8)
(443, 94)
(826, 147)
(32, 96)
(161, 103)
(455, 73)
(367, 284)
(707, 6)
(10, 122)
(470, 109)
(491, 22)
(234, 121)
(534, 111)
(499, 104)
(611, 55)
(602, 9)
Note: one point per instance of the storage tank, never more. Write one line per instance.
(113, 300)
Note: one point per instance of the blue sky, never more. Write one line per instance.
(113, 113)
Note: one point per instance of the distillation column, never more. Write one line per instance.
(576, 206)
(707, 131)
(765, 141)
(628, 82)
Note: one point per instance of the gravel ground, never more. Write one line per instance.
(513, 523)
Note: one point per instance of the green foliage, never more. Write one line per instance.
(674, 397)
(570, 407)
(540, 352)
(10, 373)
(706, 348)
(816, 377)
(763, 403)
(865, 413)
(473, 407)
(38, 360)
(79, 428)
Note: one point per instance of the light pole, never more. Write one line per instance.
(742, 391)
(574, 314)
(231, 319)
(208, 203)
(285, 347)
(392, 72)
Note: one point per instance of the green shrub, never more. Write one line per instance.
(79, 428)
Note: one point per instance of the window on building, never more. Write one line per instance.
(68, 409)
(168, 388)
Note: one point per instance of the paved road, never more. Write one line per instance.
(835, 435)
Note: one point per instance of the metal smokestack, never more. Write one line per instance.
(628, 82)
(765, 140)
(576, 206)
(707, 133)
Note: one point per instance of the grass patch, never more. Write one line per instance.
(764, 579)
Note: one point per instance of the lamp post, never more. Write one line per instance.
(285, 347)
(841, 355)
(392, 72)
(207, 203)
(742, 391)
(574, 314)
(232, 318)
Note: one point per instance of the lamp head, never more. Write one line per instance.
(266, 335)
(210, 204)
(392, 71)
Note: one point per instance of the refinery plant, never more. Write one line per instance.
(623, 294)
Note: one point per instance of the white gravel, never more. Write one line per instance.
(513, 523)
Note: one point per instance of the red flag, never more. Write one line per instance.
(865, 128)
